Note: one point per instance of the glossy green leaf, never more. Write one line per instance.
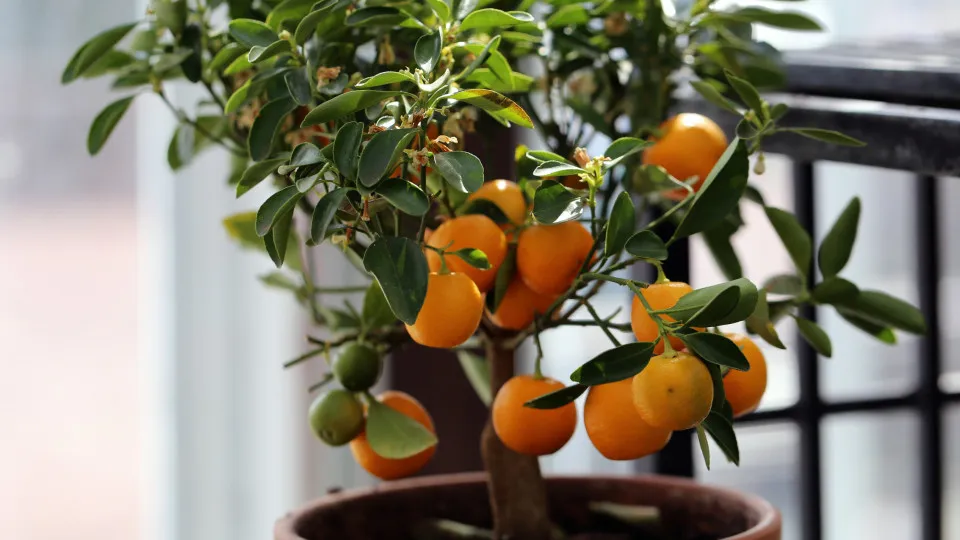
(720, 193)
(751, 98)
(721, 431)
(382, 154)
(790, 20)
(826, 135)
(474, 257)
(490, 18)
(258, 171)
(324, 213)
(251, 33)
(704, 445)
(92, 50)
(166, 62)
(496, 105)
(711, 94)
(558, 398)
(258, 54)
(477, 371)
(622, 148)
(568, 15)
(427, 51)
(719, 392)
(464, 7)
(344, 104)
(171, 14)
(554, 203)
(276, 206)
(789, 284)
(716, 349)
(225, 56)
(759, 322)
(239, 65)
(557, 168)
(883, 309)
(462, 170)
(386, 77)
(519, 82)
(505, 275)
(692, 302)
(837, 246)
(277, 241)
(778, 111)
(267, 126)
(112, 61)
(795, 238)
(815, 336)
(394, 435)
(716, 309)
(648, 245)
(480, 57)
(620, 225)
(288, 10)
(406, 196)
(401, 268)
(543, 156)
(376, 16)
(376, 311)
(614, 364)
(105, 122)
(879, 331)
(305, 154)
(441, 8)
(836, 290)
(309, 23)
(298, 84)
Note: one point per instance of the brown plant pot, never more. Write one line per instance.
(689, 511)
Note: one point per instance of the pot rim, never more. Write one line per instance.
(286, 527)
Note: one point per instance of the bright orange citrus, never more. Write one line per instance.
(472, 231)
(659, 296)
(391, 469)
(451, 311)
(673, 392)
(690, 145)
(519, 306)
(534, 432)
(549, 257)
(507, 196)
(744, 389)
(614, 426)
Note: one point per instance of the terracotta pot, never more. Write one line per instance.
(689, 511)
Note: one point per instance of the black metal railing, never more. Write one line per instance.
(908, 111)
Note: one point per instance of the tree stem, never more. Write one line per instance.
(518, 497)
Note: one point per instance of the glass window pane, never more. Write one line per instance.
(950, 284)
(951, 464)
(870, 476)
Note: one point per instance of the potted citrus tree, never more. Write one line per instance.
(359, 113)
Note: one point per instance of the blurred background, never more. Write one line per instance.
(142, 394)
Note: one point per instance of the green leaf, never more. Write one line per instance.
(479, 57)
(495, 104)
(720, 193)
(795, 238)
(462, 170)
(704, 445)
(879, 331)
(495, 60)
(464, 7)
(288, 10)
(836, 290)
(171, 14)
(557, 168)
(558, 398)
(484, 207)
(92, 50)
(382, 154)
(239, 65)
(790, 20)
(277, 242)
(490, 18)
(406, 196)
(376, 16)
(692, 302)
(614, 364)
(267, 126)
(225, 56)
(442, 9)
(716, 349)
(400, 267)
(568, 15)
(251, 33)
(519, 82)
(305, 154)
(394, 435)
(721, 430)
(544, 156)
(345, 104)
(759, 322)
(298, 84)
(719, 392)
(648, 245)
(621, 224)
(258, 171)
(554, 203)
(478, 373)
(505, 275)
(324, 213)
(751, 98)
(258, 54)
(474, 257)
(384, 78)
(623, 147)
(376, 311)
(788, 284)
(309, 23)
(338, 319)
(105, 122)
(886, 310)
(815, 336)
(747, 130)
(716, 309)
(427, 51)
(711, 94)
(826, 135)
(718, 242)
(276, 206)
(111, 61)
(837, 246)
(346, 149)
(778, 111)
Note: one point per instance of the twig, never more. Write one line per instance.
(206, 133)
(602, 324)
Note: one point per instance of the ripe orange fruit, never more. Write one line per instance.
(549, 257)
(614, 426)
(507, 196)
(451, 311)
(519, 306)
(673, 392)
(690, 145)
(744, 389)
(472, 231)
(659, 296)
(391, 469)
(534, 432)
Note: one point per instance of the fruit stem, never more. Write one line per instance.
(661, 277)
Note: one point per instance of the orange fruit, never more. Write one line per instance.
(519, 306)
(614, 426)
(391, 469)
(690, 145)
(659, 296)
(451, 312)
(534, 432)
(673, 392)
(472, 231)
(507, 196)
(744, 389)
(549, 257)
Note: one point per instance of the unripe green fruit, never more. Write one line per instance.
(358, 367)
(336, 417)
